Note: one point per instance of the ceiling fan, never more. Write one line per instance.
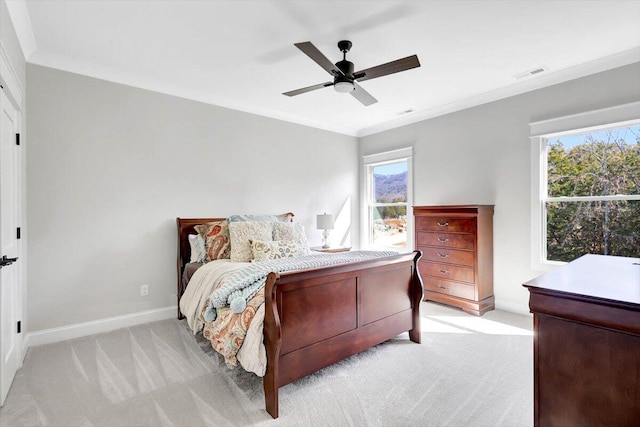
(345, 80)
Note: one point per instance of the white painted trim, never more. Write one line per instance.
(47, 336)
(586, 121)
(541, 131)
(512, 307)
(370, 160)
(14, 91)
(388, 156)
(9, 79)
(76, 66)
(593, 198)
(542, 80)
(19, 15)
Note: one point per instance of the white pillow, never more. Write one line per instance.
(198, 251)
(292, 231)
(263, 251)
(242, 232)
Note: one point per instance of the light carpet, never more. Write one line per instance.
(468, 371)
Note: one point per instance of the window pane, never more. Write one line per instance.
(600, 163)
(605, 228)
(390, 182)
(390, 226)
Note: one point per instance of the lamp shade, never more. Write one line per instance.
(324, 221)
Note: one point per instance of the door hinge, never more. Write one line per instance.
(19, 326)
(18, 233)
(17, 139)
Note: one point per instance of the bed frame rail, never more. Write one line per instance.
(315, 318)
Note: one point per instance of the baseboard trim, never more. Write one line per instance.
(513, 307)
(77, 330)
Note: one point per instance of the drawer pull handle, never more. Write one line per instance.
(443, 255)
(441, 240)
(443, 287)
(443, 224)
(443, 271)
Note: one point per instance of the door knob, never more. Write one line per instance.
(7, 261)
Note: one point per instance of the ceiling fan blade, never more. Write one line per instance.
(308, 89)
(312, 52)
(389, 68)
(362, 95)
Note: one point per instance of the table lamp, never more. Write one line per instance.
(325, 222)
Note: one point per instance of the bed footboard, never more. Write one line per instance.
(314, 318)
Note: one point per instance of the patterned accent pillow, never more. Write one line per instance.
(216, 239)
(263, 251)
(292, 231)
(198, 251)
(243, 232)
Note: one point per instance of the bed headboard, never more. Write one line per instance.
(185, 227)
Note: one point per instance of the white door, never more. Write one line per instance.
(10, 282)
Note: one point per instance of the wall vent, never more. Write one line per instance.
(530, 73)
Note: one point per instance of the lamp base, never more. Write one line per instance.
(325, 239)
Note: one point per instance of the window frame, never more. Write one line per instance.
(540, 133)
(369, 163)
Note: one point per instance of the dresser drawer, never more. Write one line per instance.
(459, 290)
(449, 256)
(444, 224)
(445, 271)
(446, 240)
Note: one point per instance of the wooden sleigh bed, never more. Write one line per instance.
(317, 317)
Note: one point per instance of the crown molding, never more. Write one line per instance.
(544, 80)
(9, 79)
(19, 16)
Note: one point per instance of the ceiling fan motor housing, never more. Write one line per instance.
(346, 67)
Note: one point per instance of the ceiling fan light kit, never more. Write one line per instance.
(345, 80)
(343, 86)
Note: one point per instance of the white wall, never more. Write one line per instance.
(111, 167)
(481, 155)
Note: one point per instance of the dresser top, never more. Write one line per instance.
(453, 209)
(604, 277)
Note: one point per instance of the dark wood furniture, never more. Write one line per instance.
(457, 263)
(185, 227)
(316, 317)
(586, 318)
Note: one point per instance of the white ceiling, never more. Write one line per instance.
(240, 54)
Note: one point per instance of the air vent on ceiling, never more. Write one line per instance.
(530, 73)
(402, 113)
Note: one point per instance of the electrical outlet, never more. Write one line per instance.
(144, 290)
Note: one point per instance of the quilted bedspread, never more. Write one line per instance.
(239, 287)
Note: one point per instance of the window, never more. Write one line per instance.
(588, 197)
(388, 201)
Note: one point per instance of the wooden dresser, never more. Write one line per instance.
(457, 261)
(586, 348)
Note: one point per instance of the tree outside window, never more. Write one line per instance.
(592, 201)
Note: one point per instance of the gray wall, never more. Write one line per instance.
(481, 155)
(111, 167)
